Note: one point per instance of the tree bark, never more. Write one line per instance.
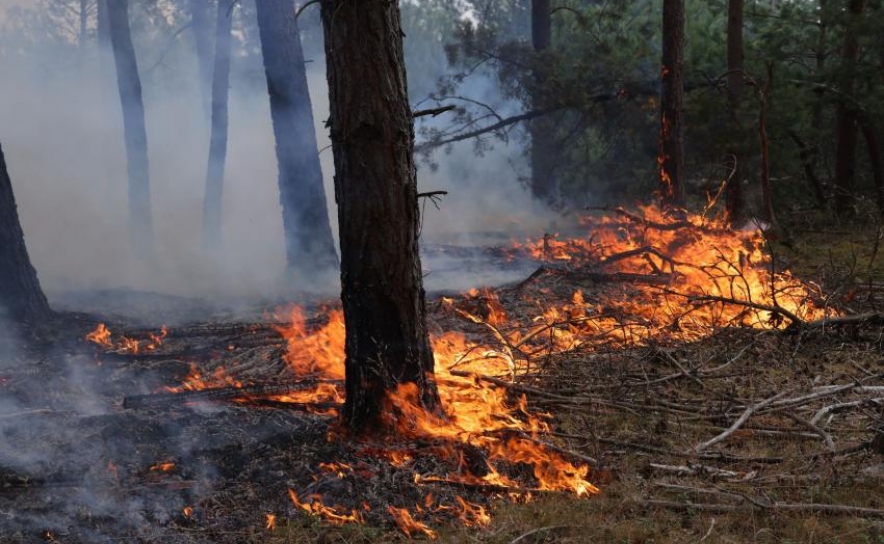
(308, 237)
(542, 129)
(766, 192)
(212, 205)
(201, 26)
(874, 148)
(135, 132)
(21, 297)
(372, 132)
(671, 157)
(84, 21)
(734, 198)
(845, 167)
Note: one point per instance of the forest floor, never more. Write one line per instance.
(799, 415)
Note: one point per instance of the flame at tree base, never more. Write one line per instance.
(672, 282)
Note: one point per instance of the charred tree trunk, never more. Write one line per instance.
(84, 23)
(308, 238)
(766, 192)
(874, 147)
(129, 83)
(211, 238)
(845, 167)
(201, 26)
(372, 132)
(734, 204)
(671, 157)
(20, 295)
(542, 128)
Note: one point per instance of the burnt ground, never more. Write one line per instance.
(805, 465)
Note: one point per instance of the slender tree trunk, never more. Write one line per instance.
(809, 153)
(21, 297)
(372, 132)
(212, 207)
(308, 238)
(845, 167)
(766, 192)
(873, 144)
(135, 132)
(201, 26)
(671, 157)
(84, 23)
(542, 128)
(734, 204)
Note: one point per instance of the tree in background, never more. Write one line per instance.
(212, 204)
(376, 191)
(542, 156)
(735, 75)
(845, 167)
(201, 27)
(129, 83)
(20, 294)
(671, 156)
(308, 238)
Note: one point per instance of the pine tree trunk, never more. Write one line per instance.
(212, 205)
(201, 26)
(135, 132)
(845, 166)
(873, 146)
(372, 136)
(671, 157)
(542, 128)
(20, 295)
(734, 198)
(309, 243)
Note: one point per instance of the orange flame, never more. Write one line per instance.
(101, 336)
(408, 525)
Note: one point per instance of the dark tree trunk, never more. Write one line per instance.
(20, 295)
(766, 192)
(218, 144)
(874, 148)
(734, 204)
(809, 153)
(84, 22)
(201, 26)
(542, 128)
(671, 157)
(845, 167)
(308, 238)
(141, 229)
(372, 136)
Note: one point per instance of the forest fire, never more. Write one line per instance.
(686, 279)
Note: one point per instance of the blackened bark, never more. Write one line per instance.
(734, 198)
(135, 133)
(541, 24)
(372, 134)
(763, 140)
(211, 235)
(201, 26)
(308, 238)
(671, 157)
(542, 128)
(20, 295)
(845, 166)
(874, 148)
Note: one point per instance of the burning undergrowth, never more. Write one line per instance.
(245, 412)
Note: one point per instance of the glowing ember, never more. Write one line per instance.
(163, 467)
(315, 508)
(187, 511)
(270, 523)
(408, 525)
(101, 336)
(195, 381)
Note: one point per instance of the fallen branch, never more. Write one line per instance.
(776, 506)
(218, 394)
(739, 422)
